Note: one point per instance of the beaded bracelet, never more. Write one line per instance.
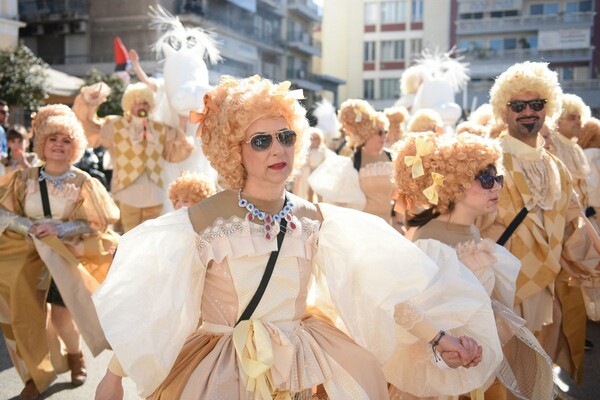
(435, 343)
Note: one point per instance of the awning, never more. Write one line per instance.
(62, 84)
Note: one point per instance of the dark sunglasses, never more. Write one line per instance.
(263, 141)
(487, 180)
(518, 106)
(382, 132)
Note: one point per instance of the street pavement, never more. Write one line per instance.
(61, 389)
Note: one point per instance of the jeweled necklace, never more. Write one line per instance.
(270, 221)
(57, 181)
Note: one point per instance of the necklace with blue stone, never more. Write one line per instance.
(271, 222)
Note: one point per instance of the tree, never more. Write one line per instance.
(23, 78)
(112, 105)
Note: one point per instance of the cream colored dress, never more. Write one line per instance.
(172, 298)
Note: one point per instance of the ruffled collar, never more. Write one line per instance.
(522, 150)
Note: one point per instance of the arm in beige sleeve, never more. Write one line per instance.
(410, 317)
(107, 135)
(177, 146)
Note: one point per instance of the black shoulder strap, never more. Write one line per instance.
(514, 224)
(357, 158)
(266, 276)
(388, 154)
(45, 199)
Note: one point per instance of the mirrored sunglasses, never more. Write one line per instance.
(518, 106)
(263, 141)
(487, 181)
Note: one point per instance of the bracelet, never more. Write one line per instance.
(435, 343)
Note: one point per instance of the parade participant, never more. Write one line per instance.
(564, 138)
(553, 240)
(589, 140)
(317, 153)
(328, 123)
(459, 181)
(190, 189)
(397, 117)
(367, 131)
(203, 265)
(471, 127)
(67, 214)
(425, 120)
(138, 146)
(4, 113)
(410, 81)
(18, 157)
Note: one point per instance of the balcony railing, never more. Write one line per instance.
(492, 56)
(33, 9)
(528, 22)
(305, 42)
(245, 28)
(306, 8)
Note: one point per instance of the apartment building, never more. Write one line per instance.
(492, 35)
(273, 38)
(369, 43)
(9, 25)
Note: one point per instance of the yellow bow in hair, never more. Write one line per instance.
(424, 147)
(254, 349)
(431, 192)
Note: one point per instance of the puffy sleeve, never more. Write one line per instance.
(12, 193)
(150, 301)
(96, 206)
(177, 146)
(365, 269)
(336, 180)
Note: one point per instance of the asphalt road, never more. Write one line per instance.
(11, 385)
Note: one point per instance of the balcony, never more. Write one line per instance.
(31, 10)
(305, 9)
(483, 60)
(304, 80)
(277, 6)
(525, 23)
(305, 43)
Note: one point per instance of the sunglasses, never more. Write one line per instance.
(263, 141)
(487, 180)
(382, 132)
(518, 106)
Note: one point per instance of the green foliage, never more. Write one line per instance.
(112, 106)
(23, 80)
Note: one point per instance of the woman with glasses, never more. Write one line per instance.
(446, 183)
(362, 181)
(184, 313)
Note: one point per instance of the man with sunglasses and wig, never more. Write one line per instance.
(539, 218)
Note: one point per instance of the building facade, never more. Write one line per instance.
(493, 35)
(9, 24)
(273, 38)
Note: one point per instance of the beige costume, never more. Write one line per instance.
(552, 242)
(78, 264)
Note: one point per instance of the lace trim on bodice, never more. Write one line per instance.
(380, 168)
(68, 191)
(236, 237)
(543, 180)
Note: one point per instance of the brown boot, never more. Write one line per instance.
(30, 391)
(77, 367)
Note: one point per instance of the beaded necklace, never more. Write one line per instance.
(270, 221)
(57, 181)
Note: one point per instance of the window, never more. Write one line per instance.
(470, 45)
(510, 44)
(368, 89)
(370, 13)
(393, 12)
(392, 50)
(567, 73)
(416, 45)
(496, 45)
(369, 55)
(417, 11)
(533, 42)
(579, 6)
(390, 89)
(543, 9)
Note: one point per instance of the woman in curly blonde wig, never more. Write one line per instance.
(446, 183)
(397, 116)
(207, 265)
(425, 120)
(233, 106)
(58, 119)
(189, 189)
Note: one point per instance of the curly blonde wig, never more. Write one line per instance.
(425, 120)
(411, 79)
(58, 119)
(528, 76)
(459, 158)
(397, 116)
(192, 186)
(360, 121)
(573, 104)
(482, 115)
(472, 127)
(136, 93)
(232, 106)
(590, 134)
